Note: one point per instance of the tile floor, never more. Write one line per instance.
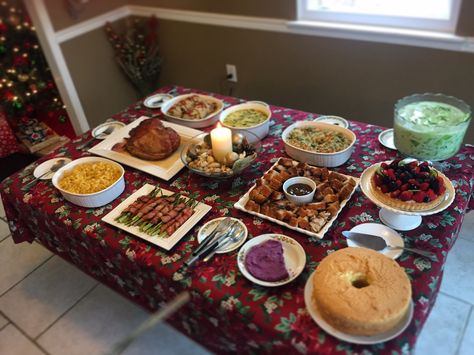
(49, 307)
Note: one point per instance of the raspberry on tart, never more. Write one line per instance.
(413, 186)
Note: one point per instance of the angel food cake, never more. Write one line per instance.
(410, 186)
(361, 292)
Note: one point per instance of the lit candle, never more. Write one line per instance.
(221, 139)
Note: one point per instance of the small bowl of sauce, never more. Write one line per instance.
(299, 190)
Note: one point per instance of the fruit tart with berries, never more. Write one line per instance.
(408, 186)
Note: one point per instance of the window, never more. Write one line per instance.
(433, 15)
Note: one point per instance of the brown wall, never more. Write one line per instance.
(357, 80)
(263, 8)
(61, 18)
(465, 26)
(102, 88)
(354, 79)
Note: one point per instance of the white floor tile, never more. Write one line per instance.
(164, 337)
(12, 342)
(467, 228)
(3, 321)
(458, 279)
(18, 260)
(41, 298)
(2, 210)
(94, 325)
(467, 343)
(4, 230)
(444, 328)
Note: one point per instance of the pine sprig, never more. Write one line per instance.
(137, 52)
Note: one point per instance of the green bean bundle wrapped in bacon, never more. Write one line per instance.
(156, 214)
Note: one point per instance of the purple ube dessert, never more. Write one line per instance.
(265, 261)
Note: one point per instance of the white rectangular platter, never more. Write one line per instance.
(240, 204)
(164, 169)
(200, 211)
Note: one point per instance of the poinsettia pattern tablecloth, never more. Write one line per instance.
(228, 313)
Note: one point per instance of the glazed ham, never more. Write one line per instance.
(150, 140)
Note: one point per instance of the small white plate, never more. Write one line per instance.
(47, 165)
(155, 101)
(355, 339)
(335, 120)
(98, 132)
(386, 139)
(388, 234)
(293, 253)
(207, 228)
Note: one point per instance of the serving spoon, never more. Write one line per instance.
(378, 243)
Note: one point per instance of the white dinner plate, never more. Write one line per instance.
(155, 101)
(200, 211)
(386, 139)
(355, 339)
(207, 228)
(293, 254)
(388, 234)
(46, 166)
(98, 132)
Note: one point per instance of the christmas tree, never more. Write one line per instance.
(27, 90)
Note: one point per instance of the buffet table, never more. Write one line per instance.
(228, 313)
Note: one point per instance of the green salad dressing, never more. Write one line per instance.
(429, 130)
(245, 118)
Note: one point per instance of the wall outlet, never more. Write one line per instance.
(231, 71)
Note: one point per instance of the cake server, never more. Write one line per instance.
(378, 243)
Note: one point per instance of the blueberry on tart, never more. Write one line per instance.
(413, 186)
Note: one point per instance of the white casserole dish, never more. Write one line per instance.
(95, 199)
(205, 122)
(260, 130)
(320, 159)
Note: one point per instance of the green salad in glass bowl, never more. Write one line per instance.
(430, 126)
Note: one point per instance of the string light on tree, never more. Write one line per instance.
(26, 86)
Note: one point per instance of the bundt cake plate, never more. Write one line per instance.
(318, 318)
(405, 214)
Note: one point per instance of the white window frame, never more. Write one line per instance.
(447, 26)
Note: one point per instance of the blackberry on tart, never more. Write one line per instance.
(409, 186)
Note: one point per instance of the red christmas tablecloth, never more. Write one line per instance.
(8, 142)
(228, 313)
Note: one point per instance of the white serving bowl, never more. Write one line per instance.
(260, 130)
(314, 158)
(205, 122)
(303, 199)
(95, 199)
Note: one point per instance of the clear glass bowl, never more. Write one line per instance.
(236, 168)
(430, 126)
